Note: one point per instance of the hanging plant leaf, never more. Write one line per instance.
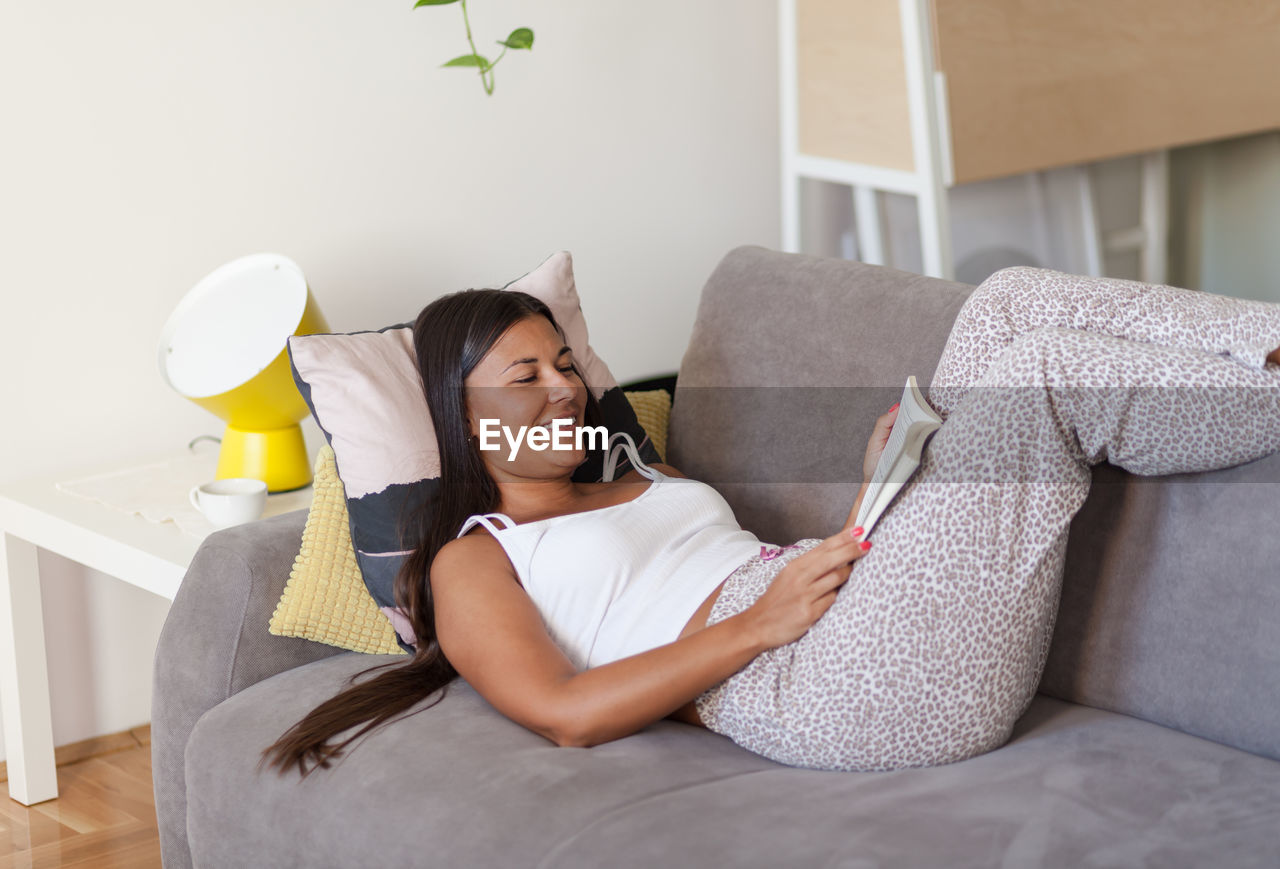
(521, 37)
(433, 3)
(468, 60)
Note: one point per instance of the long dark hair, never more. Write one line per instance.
(451, 336)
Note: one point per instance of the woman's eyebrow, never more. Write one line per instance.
(563, 350)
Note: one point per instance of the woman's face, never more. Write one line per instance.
(526, 380)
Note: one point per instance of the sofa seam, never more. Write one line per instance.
(244, 610)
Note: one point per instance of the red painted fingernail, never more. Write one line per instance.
(864, 545)
(895, 406)
(856, 533)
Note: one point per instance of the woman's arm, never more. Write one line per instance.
(619, 698)
(495, 638)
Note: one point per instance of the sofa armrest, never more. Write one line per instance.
(214, 644)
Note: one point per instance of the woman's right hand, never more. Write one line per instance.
(804, 589)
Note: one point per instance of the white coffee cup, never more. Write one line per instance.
(231, 501)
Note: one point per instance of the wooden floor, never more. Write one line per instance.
(104, 816)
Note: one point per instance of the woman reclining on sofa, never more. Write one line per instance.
(557, 600)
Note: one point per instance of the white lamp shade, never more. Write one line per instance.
(232, 324)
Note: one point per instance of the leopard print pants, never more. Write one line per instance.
(935, 645)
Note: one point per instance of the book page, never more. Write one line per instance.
(913, 410)
(909, 411)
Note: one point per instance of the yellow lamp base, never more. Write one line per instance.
(278, 457)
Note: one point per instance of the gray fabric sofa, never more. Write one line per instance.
(1153, 742)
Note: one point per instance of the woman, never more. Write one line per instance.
(832, 654)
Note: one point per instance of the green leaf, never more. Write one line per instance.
(468, 60)
(521, 37)
(433, 3)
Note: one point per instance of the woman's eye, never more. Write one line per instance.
(532, 377)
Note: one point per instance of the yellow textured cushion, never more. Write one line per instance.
(325, 598)
(653, 410)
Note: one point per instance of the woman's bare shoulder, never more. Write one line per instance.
(473, 554)
(475, 547)
(668, 470)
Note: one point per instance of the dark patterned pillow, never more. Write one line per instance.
(365, 393)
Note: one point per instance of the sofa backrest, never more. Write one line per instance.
(1171, 594)
(781, 341)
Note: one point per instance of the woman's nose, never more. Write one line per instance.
(562, 383)
(560, 393)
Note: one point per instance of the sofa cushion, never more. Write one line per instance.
(458, 784)
(1171, 603)
(791, 359)
(458, 777)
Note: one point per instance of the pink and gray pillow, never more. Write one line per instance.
(365, 393)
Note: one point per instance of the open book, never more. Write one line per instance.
(901, 457)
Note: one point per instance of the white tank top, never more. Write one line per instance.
(620, 580)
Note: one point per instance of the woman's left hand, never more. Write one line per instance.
(875, 446)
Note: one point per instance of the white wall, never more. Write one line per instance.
(148, 142)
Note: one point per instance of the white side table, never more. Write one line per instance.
(151, 555)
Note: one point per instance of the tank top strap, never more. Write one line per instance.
(486, 520)
(615, 452)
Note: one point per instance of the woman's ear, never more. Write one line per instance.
(467, 415)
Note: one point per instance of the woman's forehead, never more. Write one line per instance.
(532, 338)
(530, 334)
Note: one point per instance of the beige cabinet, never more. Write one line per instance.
(915, 96)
